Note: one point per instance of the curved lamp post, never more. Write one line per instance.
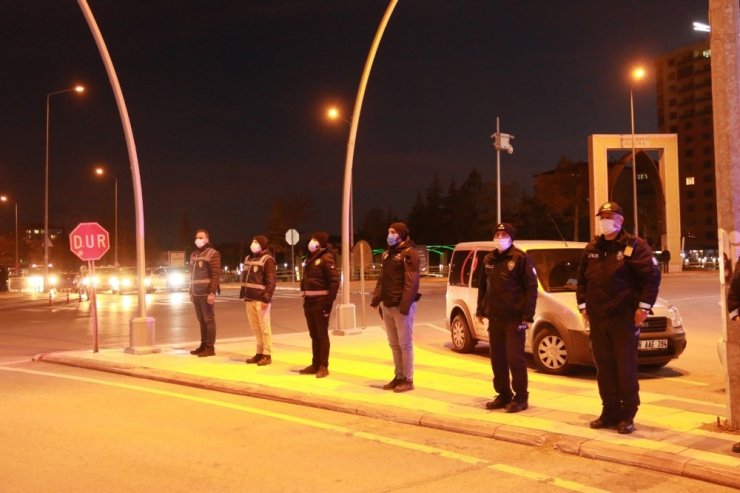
(101, 172)
(638, 73)
(77, 89)
(4, 198)
(346, 321)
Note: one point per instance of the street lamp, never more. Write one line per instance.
(77, 89)
(638, 73)
(4, 198)
(101, 172)
(333, 113)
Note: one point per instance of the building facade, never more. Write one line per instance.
(684, 104)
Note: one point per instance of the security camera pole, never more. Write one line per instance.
(501, 142)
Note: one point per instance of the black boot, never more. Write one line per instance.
(254, 359)
(198, 350)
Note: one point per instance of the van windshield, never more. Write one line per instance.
(557, 268)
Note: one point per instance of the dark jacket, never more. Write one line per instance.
(320, 281)
(258, 277)
(205, 271)
(507, 288)
(617, 276)
(733, 295)
(398, 284)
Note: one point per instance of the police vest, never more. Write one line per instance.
(200, 273)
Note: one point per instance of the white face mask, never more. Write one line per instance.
(200, 243)
(255, 247)
(609, 226)
(392, 239)
(313, 245)
(501, 244)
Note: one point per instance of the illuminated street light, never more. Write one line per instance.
(4, 198)
(702, 27)
(638, 73)
(77, 89)
(333, 113)
(101, 172)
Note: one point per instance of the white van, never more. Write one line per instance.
(559, 339)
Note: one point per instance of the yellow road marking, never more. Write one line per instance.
(467, 459)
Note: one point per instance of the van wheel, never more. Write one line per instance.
(462, 340)
(550, 354)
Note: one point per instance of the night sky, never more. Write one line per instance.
(227, 100)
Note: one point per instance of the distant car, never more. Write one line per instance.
(558, 339)
(170, 278)
(101, 280)
(125, 280)
(33, 280)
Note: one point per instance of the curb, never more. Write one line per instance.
(655, 460)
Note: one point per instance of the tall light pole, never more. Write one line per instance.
(77, 89)
(501, 142)
(638, 73)
(345, 310)
(4, 198)
(101, 172)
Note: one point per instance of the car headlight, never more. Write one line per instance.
(675, 316)
(176, 279)
(114, 283)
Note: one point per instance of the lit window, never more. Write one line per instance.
(689, 180)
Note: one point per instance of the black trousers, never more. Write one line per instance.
(318, 328)
(507, 356)
(614, 346)
(207, 319)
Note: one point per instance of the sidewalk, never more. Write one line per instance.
(673, 435)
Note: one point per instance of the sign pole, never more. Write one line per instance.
(93, 304)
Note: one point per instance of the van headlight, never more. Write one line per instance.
(675, 316)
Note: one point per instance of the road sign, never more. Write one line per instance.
(291, 237)
(89, 241)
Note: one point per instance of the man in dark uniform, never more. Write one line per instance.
(258, 285)
(618, 282)
(205, 268)
(319, 287)
(733, 306)
(507, 296)
(397, 292)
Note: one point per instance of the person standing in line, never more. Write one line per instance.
(258, 286)
(397, 292)
(319, 287)
(205, 268)
(507, 296)
(618, 282)
(733, 306)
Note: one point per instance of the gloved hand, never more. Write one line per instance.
(327, 311)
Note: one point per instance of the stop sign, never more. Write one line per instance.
(89, 241)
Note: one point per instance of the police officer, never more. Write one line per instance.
(507, 296)
(618, 282)
(258, 286)
(205, 268)
(733, 306)
(397, 292)
(319, 287)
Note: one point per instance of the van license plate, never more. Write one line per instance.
(648, 344)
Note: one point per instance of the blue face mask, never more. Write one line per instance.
(392, 239)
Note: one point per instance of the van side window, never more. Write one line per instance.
(460, 268)
(477, 266)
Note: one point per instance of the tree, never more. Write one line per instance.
(373, 226)
(564, 190)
